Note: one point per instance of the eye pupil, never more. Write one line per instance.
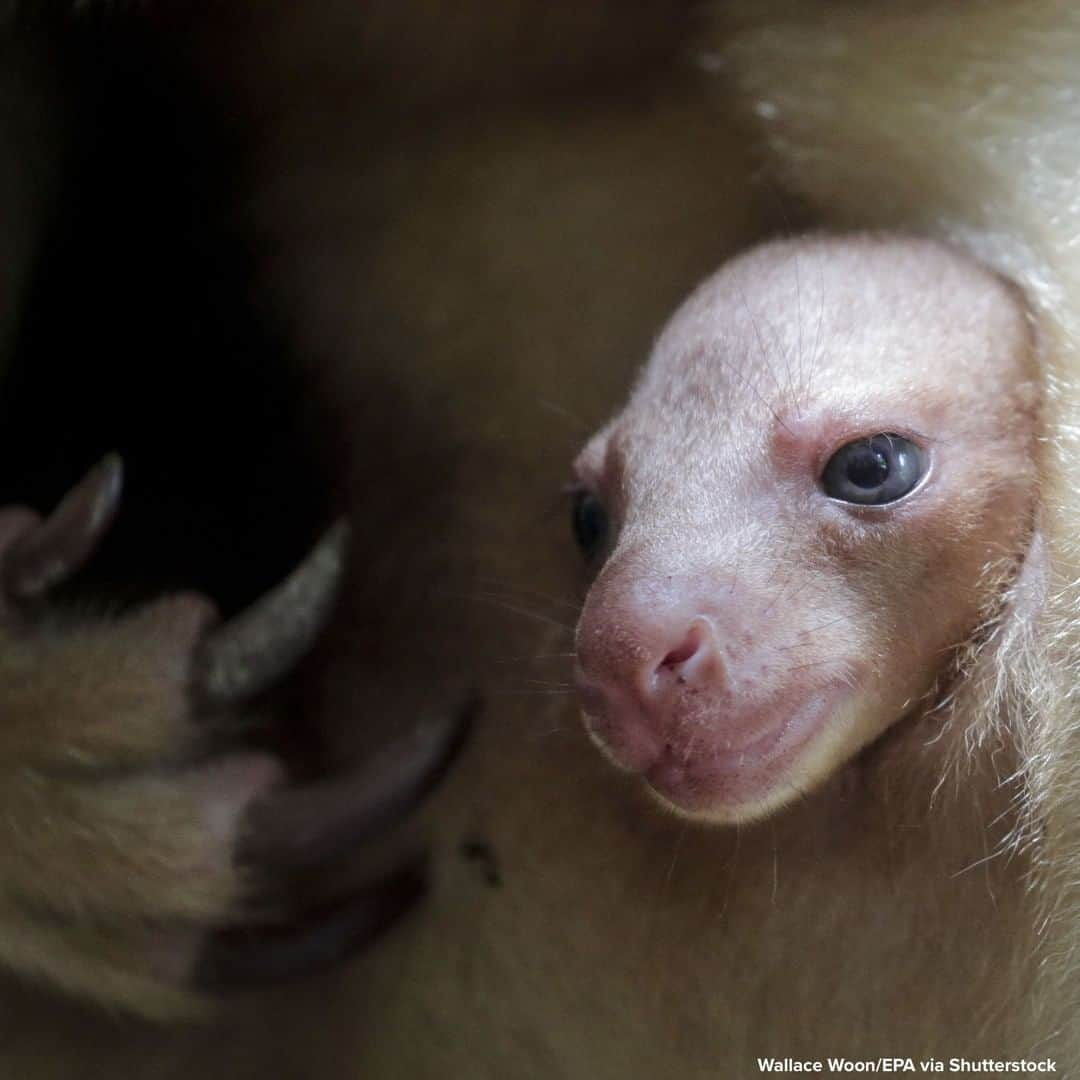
(874, 471)
(868, 467)
(590, 523)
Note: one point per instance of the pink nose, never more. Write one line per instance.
(665, 660)
(653, 672)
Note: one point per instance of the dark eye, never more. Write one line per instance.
(590, 522)
(874, 471)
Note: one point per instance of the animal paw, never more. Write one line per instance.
(143, 857)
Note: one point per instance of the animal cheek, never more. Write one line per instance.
(720, 699)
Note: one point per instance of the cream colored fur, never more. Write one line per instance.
(963, 121)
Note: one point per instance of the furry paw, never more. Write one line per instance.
(142, 855)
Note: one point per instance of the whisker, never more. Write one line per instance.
(525, 613)
(531, 693)
(565, 414)
(525, 658)
(522, 590)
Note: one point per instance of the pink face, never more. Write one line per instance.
(822, 480)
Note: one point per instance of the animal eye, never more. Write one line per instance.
(590, 523)
(874, 471)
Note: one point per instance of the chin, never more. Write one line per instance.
(718, 786)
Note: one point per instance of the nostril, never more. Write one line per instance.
(695, 665)
(684, 651)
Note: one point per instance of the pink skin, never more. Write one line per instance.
(747, 633)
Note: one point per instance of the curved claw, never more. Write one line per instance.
(257, 647)
(57, 547)
(290, 829)
(319, 939)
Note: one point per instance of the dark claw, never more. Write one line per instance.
(299, 827)
(323, 937)
(260, 645)
(55, 549)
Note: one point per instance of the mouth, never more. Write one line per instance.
(699, 774)
(723, 784)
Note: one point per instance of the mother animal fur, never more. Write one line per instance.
(918, 902)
